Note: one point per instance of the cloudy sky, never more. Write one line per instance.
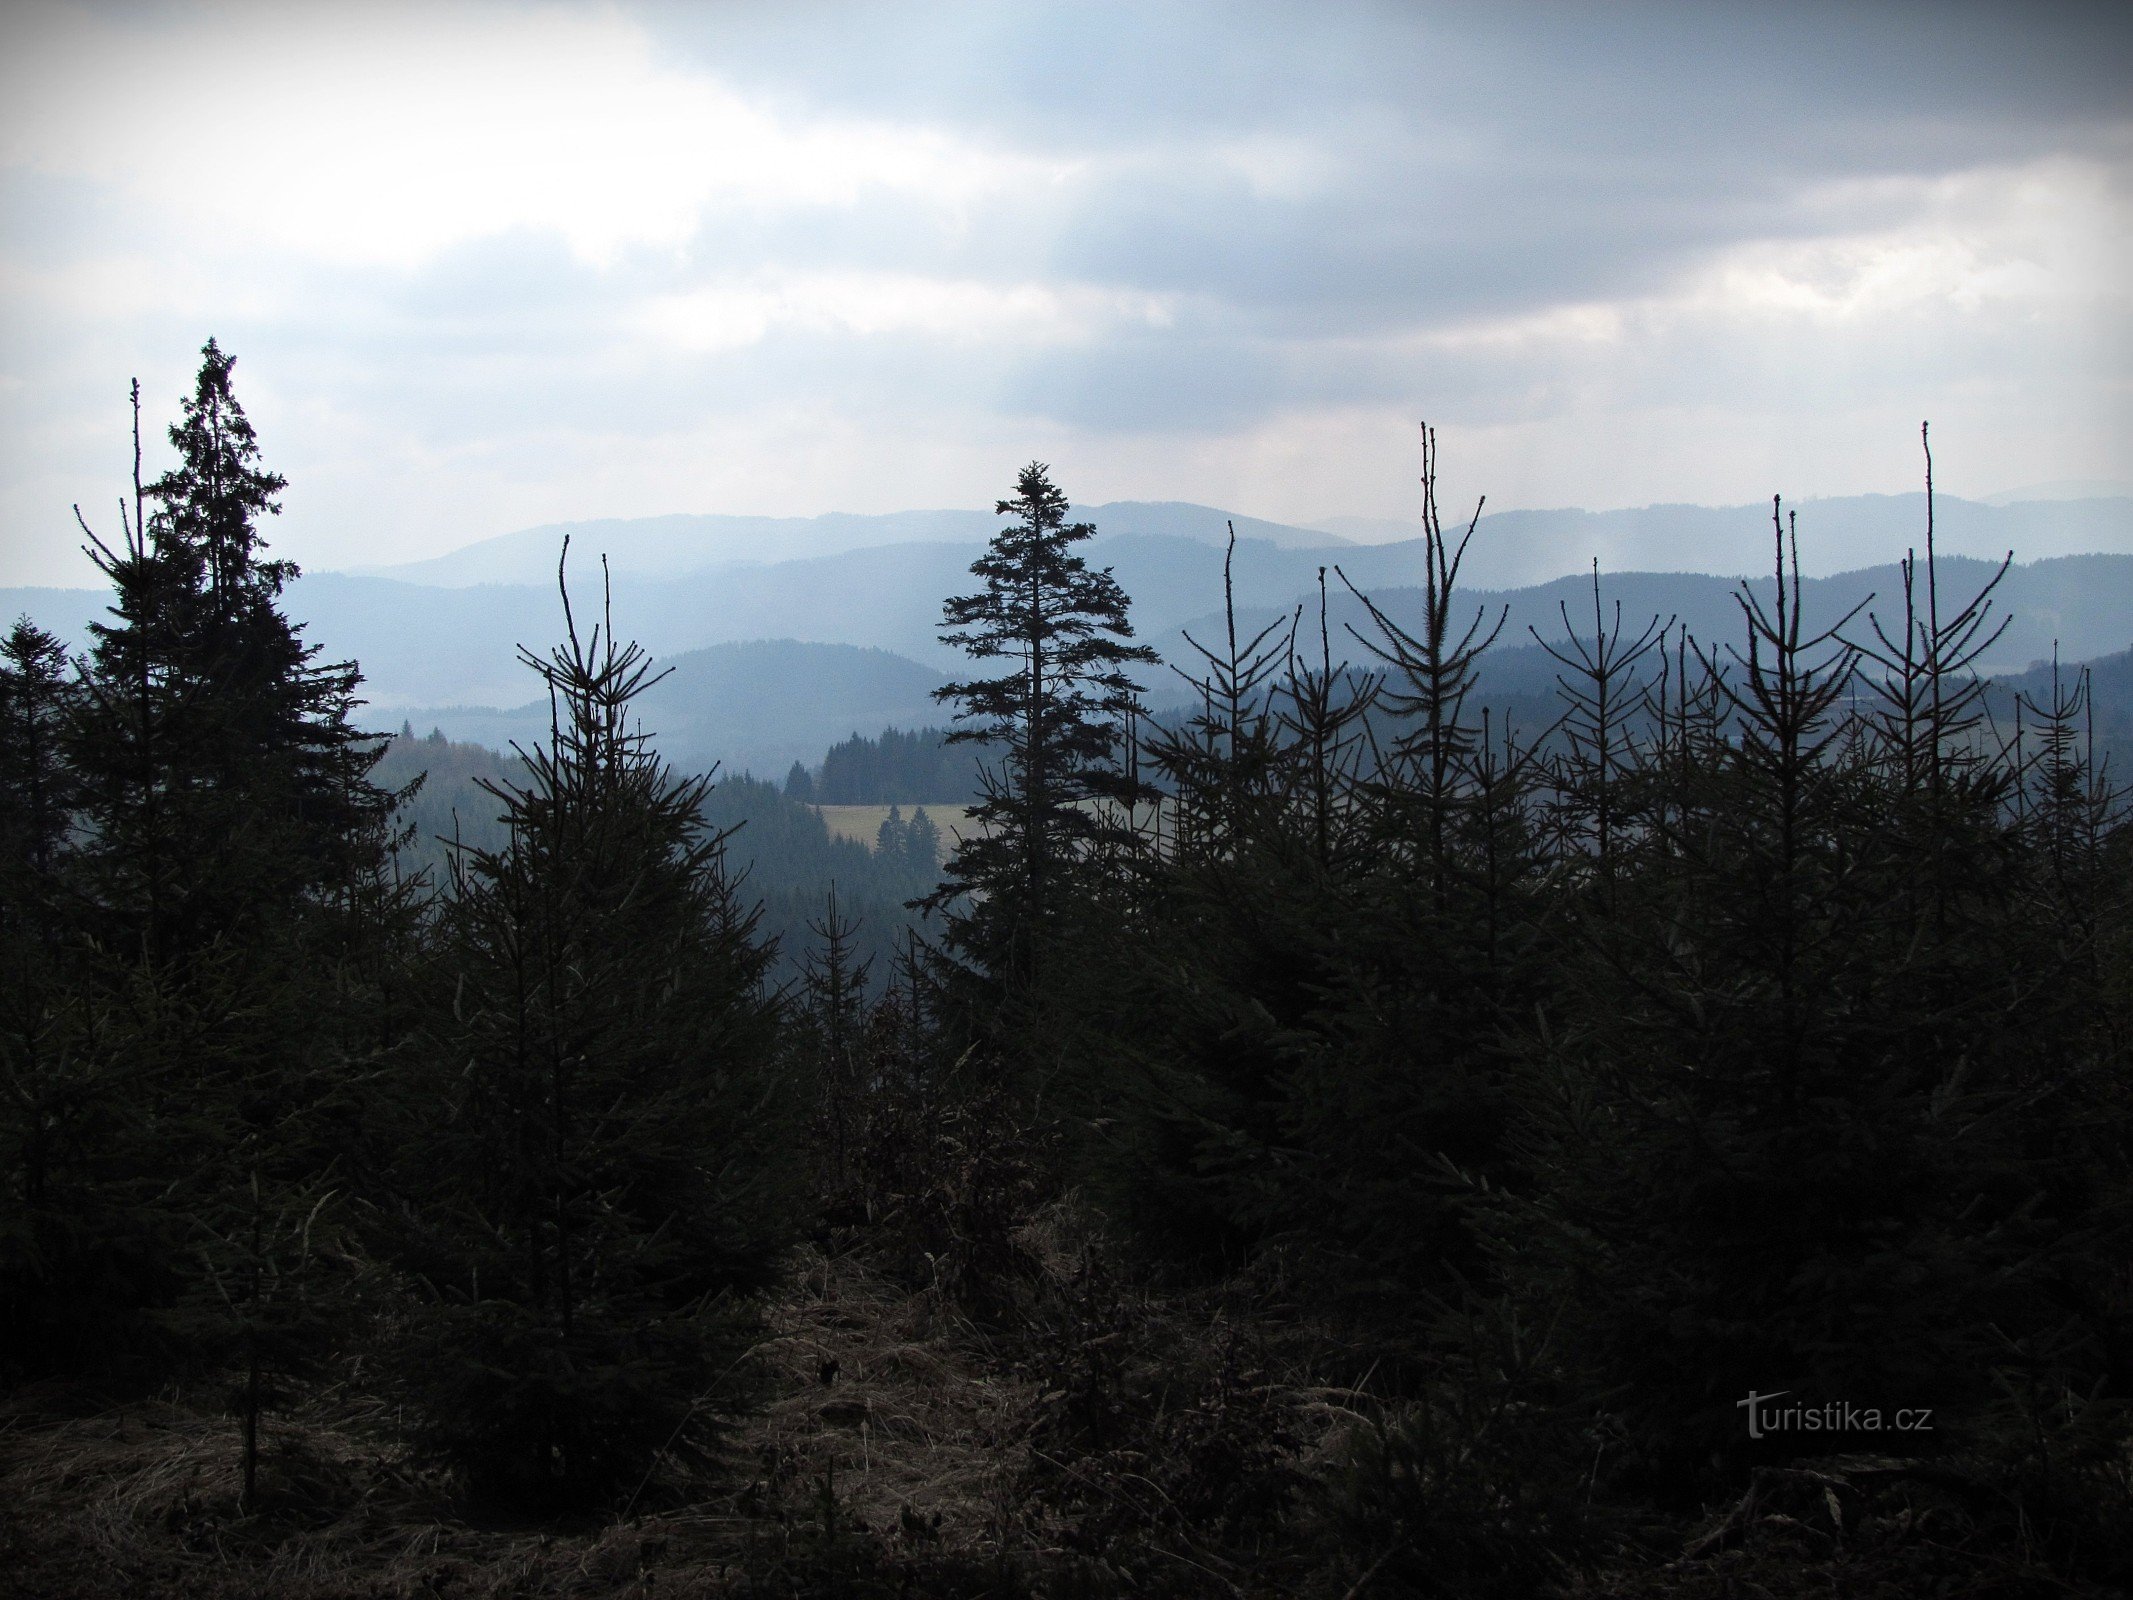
(488, 265)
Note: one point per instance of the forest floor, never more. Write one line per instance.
(1119, 1443)
(892, 1430)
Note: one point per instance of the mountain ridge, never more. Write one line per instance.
(1510, 549)
(684, 543)
(428, 650)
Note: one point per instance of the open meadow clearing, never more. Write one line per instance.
(864, 822)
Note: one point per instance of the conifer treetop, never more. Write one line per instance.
(213, 499)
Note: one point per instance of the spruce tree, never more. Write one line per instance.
(831, 1018)
(889, 837)
(50, 1093)
(596, 1167)
(1400, 1079)
(1055, 718)
(922, 844)
(222, 779)
(37, 785)
(228, 874)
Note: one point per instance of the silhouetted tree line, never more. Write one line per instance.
(898, 768)
(786, 859)
(780, 853)
(1759, 1025)
(270, 1106)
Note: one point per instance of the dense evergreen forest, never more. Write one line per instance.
(900, 767)
(1329, 1141)
(782, 857)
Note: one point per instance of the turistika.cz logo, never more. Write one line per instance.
(1832, 1416)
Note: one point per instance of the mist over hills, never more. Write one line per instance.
(1511, 549)
(757, 707)
(1514, 549)
(672, 546)
(775, 659)
(2078, 603)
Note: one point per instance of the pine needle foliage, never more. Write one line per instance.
(214, 907)
(1055, 720)
(596, 1170)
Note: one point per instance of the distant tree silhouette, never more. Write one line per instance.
(37, 800)
(222, 778)
(830, 1019)
(1055, 719)
(889, 837)
(922, 843)
(898, 766)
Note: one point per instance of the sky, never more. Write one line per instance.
(485, 266)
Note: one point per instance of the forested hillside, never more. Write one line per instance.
(918, 765)
(778, 853)
(764, 646)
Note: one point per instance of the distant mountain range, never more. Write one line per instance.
(675, 546)
(2083, 605)
(755, 707)
(776, 657)
(1511, 549)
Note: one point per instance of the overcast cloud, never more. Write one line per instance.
(485, 266)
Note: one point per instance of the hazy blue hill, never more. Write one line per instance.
(428, 645)
(1511, 548)
(64, 612)
(431, 644)
(1173, 580)
(671, 546)
(758, 706)
(886, 598)
(416, 645)
(2082, 602)
(674, 545)
(425, 646)
(1181, 519)
(1514, 549)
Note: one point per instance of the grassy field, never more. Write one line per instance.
(864, 822)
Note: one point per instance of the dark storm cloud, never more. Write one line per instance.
(1170, 231)
(1082, 76)
(1334, 174)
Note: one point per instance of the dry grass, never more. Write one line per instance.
(144, 1500)
(895, 1403)
(901, 1452)
(914, 1439)
(863, 823)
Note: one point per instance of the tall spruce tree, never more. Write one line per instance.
(595, 1145)
(49, 1122)
(222, 779)
(229, 857)
(37, 698)
(1056, 720)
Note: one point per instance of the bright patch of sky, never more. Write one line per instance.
(488, 265)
